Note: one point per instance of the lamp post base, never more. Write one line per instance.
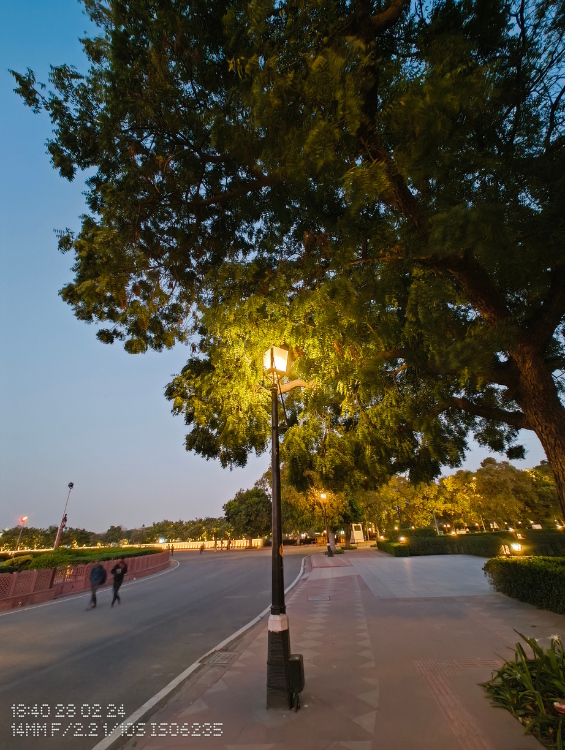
(278, 684)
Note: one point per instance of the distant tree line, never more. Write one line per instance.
(496, 493)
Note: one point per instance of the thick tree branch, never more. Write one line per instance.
(551, 125)
(512, 418)
(286, 387)
(476, 284)
(543, 324)
(387, 18)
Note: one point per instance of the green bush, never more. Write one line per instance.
(15, 564)
(83, 557)
(544, 542)
(426, 532)
(439, 545)
(394, 548)
(51, 560)
(482, 544)
(536, 580)
(530, 687)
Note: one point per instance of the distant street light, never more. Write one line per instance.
(23, 519)
(276, 364)
(63, 519)
(324, 510)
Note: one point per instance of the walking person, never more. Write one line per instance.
(97, 578)
(118, 571)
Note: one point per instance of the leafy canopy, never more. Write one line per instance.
(378, 185)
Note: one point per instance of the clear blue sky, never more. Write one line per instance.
(71, 408)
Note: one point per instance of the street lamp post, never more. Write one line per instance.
(63, 519)
(22, 524)
(276, 364)
(323, 504)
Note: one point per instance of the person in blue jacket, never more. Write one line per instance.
(97, 579)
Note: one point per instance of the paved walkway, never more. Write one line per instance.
(394, 649)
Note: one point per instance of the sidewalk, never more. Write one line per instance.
(393, 651)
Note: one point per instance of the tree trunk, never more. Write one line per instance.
(537, 396)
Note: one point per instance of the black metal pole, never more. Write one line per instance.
(278, 686)
(330, 553)
(277, 604)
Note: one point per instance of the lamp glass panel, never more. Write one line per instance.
(280, 358)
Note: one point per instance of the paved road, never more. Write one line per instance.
(61, 654)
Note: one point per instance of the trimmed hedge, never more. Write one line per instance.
(78, 557)
(426, 532)
(544, 542)
(536, 580)
(481, 545)
(394, 548)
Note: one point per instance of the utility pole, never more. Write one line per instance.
(63, 519)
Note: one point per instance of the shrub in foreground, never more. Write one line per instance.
(533, 690)
(536, 580)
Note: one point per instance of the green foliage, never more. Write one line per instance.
(382, 193)
(56, 559)
(481, 544)
(536, 580)
(424, 533)
(61, 557)
(544, 542)
(530, 686)
(249, 514)
(393, 548)
(15, 564)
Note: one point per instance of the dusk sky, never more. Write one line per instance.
(71, 408)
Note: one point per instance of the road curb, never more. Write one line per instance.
(116, 738)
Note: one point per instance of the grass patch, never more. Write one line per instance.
(533, 690)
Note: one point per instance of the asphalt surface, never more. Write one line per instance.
(65, 671)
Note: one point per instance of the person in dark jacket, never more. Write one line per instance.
(97, 578)
(118, 571)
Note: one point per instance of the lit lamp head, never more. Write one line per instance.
(276, 360)
(323, 495)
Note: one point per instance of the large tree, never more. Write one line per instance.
(249, 513)
(380, 185)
